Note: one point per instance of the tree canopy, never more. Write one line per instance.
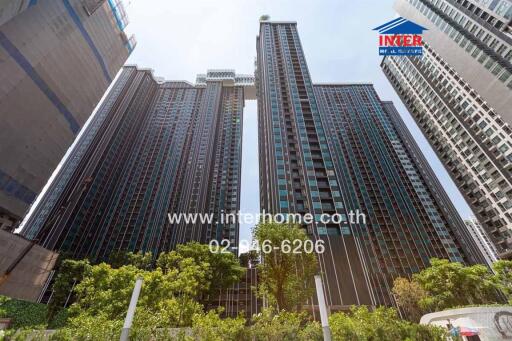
(70, 273)
(451, 284)
(503, 277)
(221, 270)
(173, 292)
(382, 324)
(139, 260)
(286, 278)
(171, 298)
(446, 285)
(407, 294)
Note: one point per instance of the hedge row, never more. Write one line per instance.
(23, 314)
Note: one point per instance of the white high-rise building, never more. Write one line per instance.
(460, 94)
(482, 240)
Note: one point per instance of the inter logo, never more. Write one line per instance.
(400, 37)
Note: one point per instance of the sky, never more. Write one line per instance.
(179, 39)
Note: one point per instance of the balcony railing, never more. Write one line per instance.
(119, 13)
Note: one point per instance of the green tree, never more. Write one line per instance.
(222, 270)
(286, 278)
(70, 273)
(212, 327)
(139, 260)
(450, 284)
(503, 277)
(382, 324)
(92, 328)
(407, 295)
(168, 299)
(284, 326)
(172, 294)
(250, 258)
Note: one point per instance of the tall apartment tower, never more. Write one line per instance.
(296, 168)
(57, 59)
(482, 240)
(453, 219)
(460, 95)
(379, 175)
(333, 148)
(152, 148)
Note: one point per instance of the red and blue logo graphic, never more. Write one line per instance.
(400, 37)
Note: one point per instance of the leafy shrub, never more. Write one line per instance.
(23, 314)
(284, 326)
(211, 327)
(60, 320)
(86, 327)
(382, 324)
(70, 273)
(311, 331)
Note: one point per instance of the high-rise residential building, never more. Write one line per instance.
(152, 148)
(58, 58)
(444, 203)
(379, 174)
(296, 169)
(460, 95)
(334, 149)
(481, 238)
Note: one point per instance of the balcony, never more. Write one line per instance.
(119, 12)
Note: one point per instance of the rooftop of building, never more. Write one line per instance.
(228, 77)
(342, 84)
(277, 22)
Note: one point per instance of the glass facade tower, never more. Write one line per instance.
(405, 225)
(297, 172)
(152, 148)
(334, 149)
(444, 203)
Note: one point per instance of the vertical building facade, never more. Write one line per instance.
(11, 8)
(334, 149)
(379, 175)
(482, 240)
(58, 58)
(452, 217)
(240, 298)
(152, 148)
(297, 172)
(460, 94)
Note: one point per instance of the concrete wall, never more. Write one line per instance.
(10, 8)
(27, 279)
(493, 323)
(56, 61)
(6, 222)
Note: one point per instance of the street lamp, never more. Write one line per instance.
(131, 310)
(324, 319)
